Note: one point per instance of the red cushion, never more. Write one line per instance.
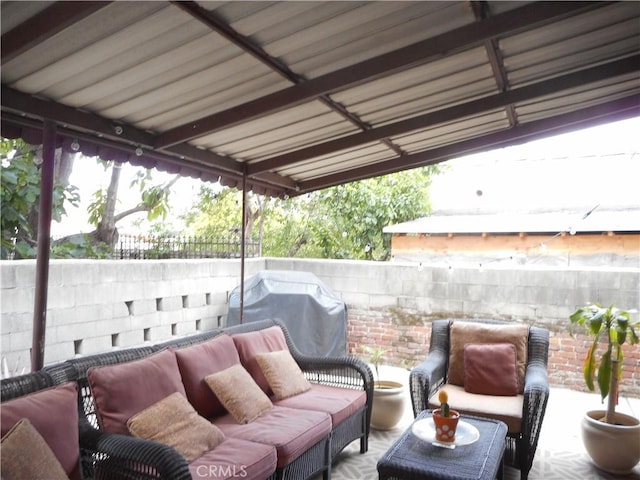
(490, 369)
(120, 391)
(54, 414)
(198, 361)
(252, 343)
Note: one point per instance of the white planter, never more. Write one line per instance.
(388, 404)
(612, 448)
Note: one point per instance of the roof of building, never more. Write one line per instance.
(572, 222)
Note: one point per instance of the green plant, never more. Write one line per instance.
(376, 355)
(611, 327)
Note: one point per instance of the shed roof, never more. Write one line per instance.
(298, 96)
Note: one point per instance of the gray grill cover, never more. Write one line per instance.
(314, 315)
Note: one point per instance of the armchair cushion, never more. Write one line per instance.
(239, 393)
(507, 409)
(283, 374)
(25, 454)
(120, 391)
(463, 333)
(490, 369)
(53, 413)
(174, 422)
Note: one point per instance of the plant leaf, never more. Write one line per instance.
(589, 366)
(604, 374)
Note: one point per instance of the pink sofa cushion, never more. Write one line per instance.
(490, 369)
(53, 412)
(251, 344)
(198, 361)
(120, 391)
(236, 459)
(290, 430)
(340, 403)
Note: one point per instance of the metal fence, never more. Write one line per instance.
(145, 247)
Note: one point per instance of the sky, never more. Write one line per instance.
(564, 170)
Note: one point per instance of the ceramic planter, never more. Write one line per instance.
(445, 426)
(614, 448)
(388, 404)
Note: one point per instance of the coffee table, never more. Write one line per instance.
(413, 458)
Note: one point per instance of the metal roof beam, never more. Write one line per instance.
(44, 25)
(616, 110)
(474, 107)
(519, 19)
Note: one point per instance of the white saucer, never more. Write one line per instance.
(466, 434)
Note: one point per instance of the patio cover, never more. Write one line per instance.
(314, 315)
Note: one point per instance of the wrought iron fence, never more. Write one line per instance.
(145, 247)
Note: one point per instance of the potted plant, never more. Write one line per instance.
(612, 439)
(388, 395)
(445, 420)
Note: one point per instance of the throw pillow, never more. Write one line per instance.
(198, 361)
(283, 374)
(490, 369)
(25, 454)
(239, 393)
(174, 422)
(251, 344)
(53, 412)
(474, 332)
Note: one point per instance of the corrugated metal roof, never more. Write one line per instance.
(303, 95)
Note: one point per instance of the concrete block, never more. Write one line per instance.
(17, 300)
(58, 352)
(130, 338)
(16, 322)
(7, 275)
(25, 273)
(145, 321)
(60, 297)
(169, 304)
(16, 362)
(91, 345)
(141, 306)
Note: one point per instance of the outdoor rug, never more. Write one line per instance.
(547, 465)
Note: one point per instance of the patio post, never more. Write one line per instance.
(242, 243)
(44, 243)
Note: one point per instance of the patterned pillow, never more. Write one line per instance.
(283, 374)
(239, 393)
(174, 422)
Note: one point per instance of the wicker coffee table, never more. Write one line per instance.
(413, 458)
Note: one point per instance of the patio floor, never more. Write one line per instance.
(560, 454)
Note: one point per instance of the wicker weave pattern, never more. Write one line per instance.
(426, 378)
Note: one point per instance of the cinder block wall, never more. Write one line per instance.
(96, 306)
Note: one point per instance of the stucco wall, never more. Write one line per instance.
(95, 306)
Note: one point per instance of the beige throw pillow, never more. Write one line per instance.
(463, 333)
(283, 374)
(239, 393)
(25, 454)
(174, 422)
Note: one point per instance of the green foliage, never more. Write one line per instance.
(79, 246)
(340, 222)
(19, 196)
(611, 326)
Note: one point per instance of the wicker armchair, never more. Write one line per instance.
(429, 376)
(103, 455)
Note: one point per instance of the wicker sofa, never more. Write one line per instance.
(297, 438)
(523, 411)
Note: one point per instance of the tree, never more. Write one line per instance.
(20, 193)
(345, 221)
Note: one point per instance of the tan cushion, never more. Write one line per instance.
(283, 374)
(239, 393)
(174, 422)
(505, 409)
(25, 454)
(490, 368)
(471, 332)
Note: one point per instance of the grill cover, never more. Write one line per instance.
(314, 315)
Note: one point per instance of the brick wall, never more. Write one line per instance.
(406, 335)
